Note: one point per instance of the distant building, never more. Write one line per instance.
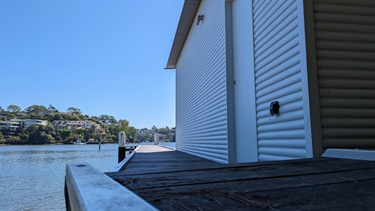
(10, 127)
(14, 126)
(73, 125)
(144, 131)
(28, 122)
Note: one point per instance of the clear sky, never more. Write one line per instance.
(103, 57)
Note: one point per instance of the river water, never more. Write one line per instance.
(32, 177)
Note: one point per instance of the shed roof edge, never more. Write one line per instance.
(187, 17)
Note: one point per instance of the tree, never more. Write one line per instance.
(14, 108)
(73, 137)
(54, 116)
(63, 134)
(72, 110)
(46, 138)
(39, 134)
(91, 133)
(1, 110)
(123, 125)
(37, 110)
(107, 119)
(95, 119)
(14, 139)
(82, 131)
(65, 116)
(11, 116)
(132, 134)
(52, 109)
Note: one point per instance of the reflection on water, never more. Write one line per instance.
(32, 177)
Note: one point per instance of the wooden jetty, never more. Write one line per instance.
(173, 180)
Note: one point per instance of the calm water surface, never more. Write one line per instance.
(32, 177)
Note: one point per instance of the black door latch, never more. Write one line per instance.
(274, 108)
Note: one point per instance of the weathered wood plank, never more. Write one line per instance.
(153, 159)
(241, 172)
(266, 183)
(338, 196)
(250, 193)
(206, 178)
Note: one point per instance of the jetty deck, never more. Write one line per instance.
(173, 180)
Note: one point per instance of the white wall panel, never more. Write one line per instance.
(244, 89)
(201, 90)
(345, 48)
(279, 65)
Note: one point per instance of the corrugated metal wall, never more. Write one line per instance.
(201, 110)
(345, 45)
(277, 56)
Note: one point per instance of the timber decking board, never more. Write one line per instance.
(151, 159)
(340, 196)
(245, 172)
(172, 180)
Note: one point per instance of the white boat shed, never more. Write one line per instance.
(260, 80)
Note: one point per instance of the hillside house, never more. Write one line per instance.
(73, 125)
(10, 127)
(28, 122)
(262, 80)
(14, 126)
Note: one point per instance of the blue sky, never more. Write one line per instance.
(103, 57)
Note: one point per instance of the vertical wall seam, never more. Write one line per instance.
(253, 71)
(230, 82)
(312, 81)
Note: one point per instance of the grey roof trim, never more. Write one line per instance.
(188, 13)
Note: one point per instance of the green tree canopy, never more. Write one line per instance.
(73, 110)
(64, 134)
(39, 134)
(37, 109)
(107, 119)
(14, 108)
(14, 139)
(132, 134)
(52, 109)
(123, 125)
(95, 119)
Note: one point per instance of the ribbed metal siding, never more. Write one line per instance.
(278, 77)
(201, 110)
(345, 44)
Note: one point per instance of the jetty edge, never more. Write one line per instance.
(86, 188)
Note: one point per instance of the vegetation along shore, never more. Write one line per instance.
(38, 124)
